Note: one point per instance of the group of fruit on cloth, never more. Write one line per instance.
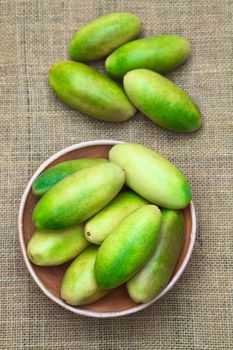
(139, 63)
(120, 220)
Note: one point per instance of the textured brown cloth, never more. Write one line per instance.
(197, 313)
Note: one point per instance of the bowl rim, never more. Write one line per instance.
(49, 294)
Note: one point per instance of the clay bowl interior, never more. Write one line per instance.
(117, 303)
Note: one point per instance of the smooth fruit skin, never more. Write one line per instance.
(101, 36)
(79, 286)
(162, 101)
(128, 247)
(87, 90)
(102, 224)
(58, 172)
(155, 275)
(50, 247)
(160, 54)
(152, 176)
(78, 196)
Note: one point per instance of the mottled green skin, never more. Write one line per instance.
(160, 54)
(103, 35)
(102, 224)
(50, 247)
(152, 176)
(58, 172)
(79, 196)
(87, 90)
(162, 101)
(128, 247)
(79, 286)
(155, 275)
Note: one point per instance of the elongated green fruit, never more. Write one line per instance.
(50, 247)
(155, 275)
(78, 196)
(87, 90)
(152, 176)
(160, 54)
(128, 247)
(162, 101)
(79, 286)
(101, 36)
(58, 172)
(102, 224)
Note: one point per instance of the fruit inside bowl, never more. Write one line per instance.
(121, 231)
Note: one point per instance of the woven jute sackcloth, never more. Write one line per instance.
(197, 313)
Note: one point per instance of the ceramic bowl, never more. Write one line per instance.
(117, 303)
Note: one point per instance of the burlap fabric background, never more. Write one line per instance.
(197, 314)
